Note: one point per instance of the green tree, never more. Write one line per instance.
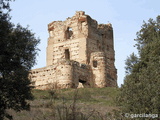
(140, 92)
(130, 62)
(17, 55)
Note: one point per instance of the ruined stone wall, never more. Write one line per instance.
(100, 48)
(42, 77)
(75, 47)
(100, 39)
(80, 53)
(65, 74)
(98, 63)
(70, 34)
(82, 75)
(71, 74)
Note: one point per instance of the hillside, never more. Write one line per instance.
(70, 104)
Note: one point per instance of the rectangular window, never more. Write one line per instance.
(95, 63)
(67, 54)
(69, 33)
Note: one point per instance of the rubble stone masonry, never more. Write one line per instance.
(80, 53)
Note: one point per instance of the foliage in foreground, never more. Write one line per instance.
(17, 56)
(141, 91)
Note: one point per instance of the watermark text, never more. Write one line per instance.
(143, 115)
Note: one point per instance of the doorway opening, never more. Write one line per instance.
(82, 83)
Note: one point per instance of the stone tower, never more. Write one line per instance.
(80, 53)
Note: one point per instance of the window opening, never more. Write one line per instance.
(69, 33)
(95, 63)
(67, 54)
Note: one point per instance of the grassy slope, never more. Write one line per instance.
(59, 103)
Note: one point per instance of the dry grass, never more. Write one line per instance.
(71, 104)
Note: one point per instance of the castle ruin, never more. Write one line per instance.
(80, 53)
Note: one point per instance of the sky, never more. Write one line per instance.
(126, 17)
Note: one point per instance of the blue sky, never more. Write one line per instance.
(126, 17)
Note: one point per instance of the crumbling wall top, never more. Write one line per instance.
(80, 23)
(105, 26)
(80, 16)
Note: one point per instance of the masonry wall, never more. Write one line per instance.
(42, 77)
(70, 34)
(66, 74)
(100, 41)
(98, 63)
(80, 53)
(76, 47)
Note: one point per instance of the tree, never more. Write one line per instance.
(141, 91)
(17, 55)
(130, 62)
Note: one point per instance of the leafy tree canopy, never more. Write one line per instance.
(17, 55)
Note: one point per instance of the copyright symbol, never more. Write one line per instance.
(127, 115)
